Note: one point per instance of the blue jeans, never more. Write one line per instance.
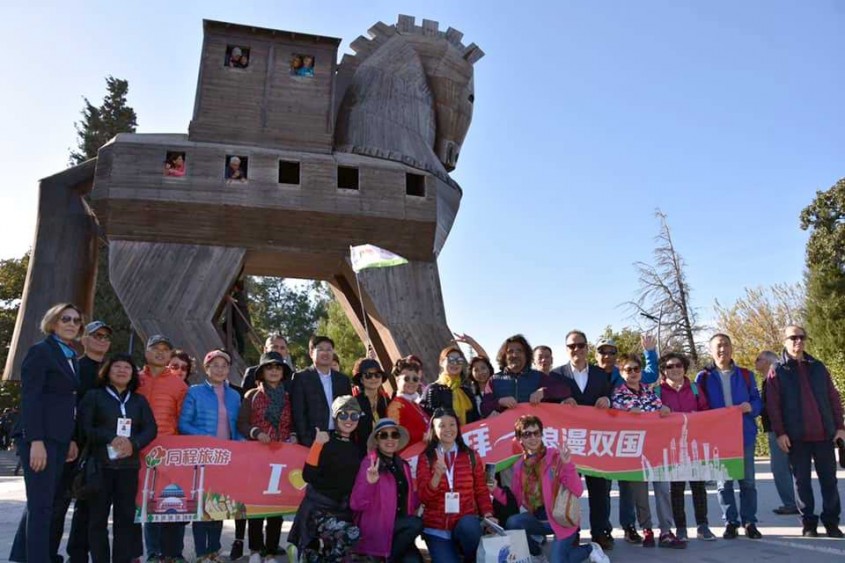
(165, 539)
(747, 495)
(781, 472)
(462, 547)
(564, 552)
(536, 524)
(207, 537)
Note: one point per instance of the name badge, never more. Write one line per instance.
(453, 503)
(124, 427)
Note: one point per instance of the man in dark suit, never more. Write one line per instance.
(590, 386)
(313, 390)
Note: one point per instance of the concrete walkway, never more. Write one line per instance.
(782, 541)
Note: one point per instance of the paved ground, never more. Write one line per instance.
(782, 540)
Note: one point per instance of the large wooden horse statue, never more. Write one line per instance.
(289, 159)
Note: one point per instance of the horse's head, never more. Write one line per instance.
(407, 94)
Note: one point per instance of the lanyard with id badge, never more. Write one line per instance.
(124, 423)
(453, 498)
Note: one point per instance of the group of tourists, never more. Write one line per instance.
(362, 501)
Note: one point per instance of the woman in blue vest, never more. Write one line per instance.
(211, 409)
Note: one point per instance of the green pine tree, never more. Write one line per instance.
(825, 278)
(97, 127)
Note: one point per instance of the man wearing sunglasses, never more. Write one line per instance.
(805, 411)
(589, 386)
(96, 342)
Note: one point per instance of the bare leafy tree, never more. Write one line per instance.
(663, 298)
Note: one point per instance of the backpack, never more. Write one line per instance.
(691, 383)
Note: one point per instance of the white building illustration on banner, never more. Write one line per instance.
(681, 462)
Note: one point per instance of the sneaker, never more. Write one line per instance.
(752, 533)
(704, 533)
(785, 510)
(631, 535)
(597, 555)
(270, 559)
(833, 531)
(810, 531)
(255, 557)
(682, 534)
(730, 532)
(671, 541)
(237, 550)
(648, 538)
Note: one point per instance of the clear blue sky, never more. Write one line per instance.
(589, 115)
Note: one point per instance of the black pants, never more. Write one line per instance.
(269, 544)
(699, 502)
(405, 532)
(599, 508)
(801, 456)
(118, 493)
(77, 542)
(35, 536)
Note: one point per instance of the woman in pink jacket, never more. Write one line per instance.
(384, 498)
(682, 395)
(537, 476)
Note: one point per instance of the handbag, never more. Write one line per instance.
(567, 507)
(88, 481)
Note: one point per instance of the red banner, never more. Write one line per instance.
(191, 477)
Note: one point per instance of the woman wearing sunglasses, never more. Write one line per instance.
(635, 397)
(679, 394)
(384, 498)
(181, 363)
(323, 528)
(537, 477)
(49, 385)
(368, 387)
(451, 390)
(405, 408)
(453, 489)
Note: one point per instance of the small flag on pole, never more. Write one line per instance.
(371, 256)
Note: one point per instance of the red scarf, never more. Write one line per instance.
(532, 489)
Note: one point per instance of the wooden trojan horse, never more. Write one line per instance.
(289, 159)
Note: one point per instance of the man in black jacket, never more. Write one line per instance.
(590, 386)
(96, 342)
(313, 390)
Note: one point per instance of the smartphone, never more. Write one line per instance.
(490, 472)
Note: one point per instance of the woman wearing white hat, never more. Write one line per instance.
(384, 498)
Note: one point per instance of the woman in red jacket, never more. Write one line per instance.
(453, 490)
(405, 408)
